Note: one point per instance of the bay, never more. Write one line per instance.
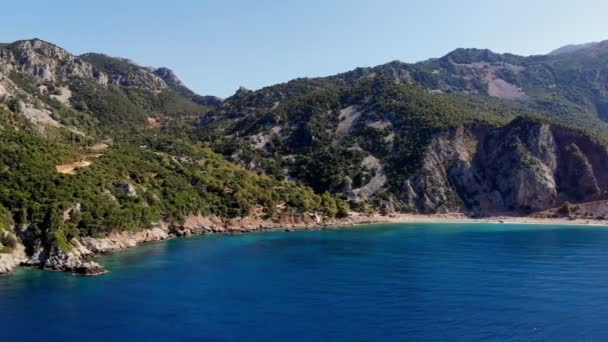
(456, 282)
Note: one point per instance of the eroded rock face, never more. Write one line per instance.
(522, 167)
(122, 240)
(168, 76)
(55, 70)
(45, 61)
(519, 161)
(448, 157)
(10, 261)
(49, 62)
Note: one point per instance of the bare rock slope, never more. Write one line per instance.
(523, 167)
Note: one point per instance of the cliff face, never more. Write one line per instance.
(522, 167)
(48, 62)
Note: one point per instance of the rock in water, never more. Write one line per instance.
(89, 268)
(59, 260)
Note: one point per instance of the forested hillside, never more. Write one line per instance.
(364, 134)
(93, 145)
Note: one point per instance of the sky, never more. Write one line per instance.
(216, 46)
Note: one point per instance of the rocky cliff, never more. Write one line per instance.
(130, 146)
(522, 167)
(49, 62)
(41, 81)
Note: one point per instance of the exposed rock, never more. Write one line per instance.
(378, 181)
(74, 260)
(129, 74)
(448, 155)
(122, 240)
(89, 268)
(348, 117)
(522, 167)
(63, 96)
(38, 116)
(69, 262)
(381, 124)
(127, 188)
(10, 261)
(168, 76)
(45, 61)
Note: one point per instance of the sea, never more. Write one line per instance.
(393, 282)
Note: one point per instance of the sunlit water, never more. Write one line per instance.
(389, 282)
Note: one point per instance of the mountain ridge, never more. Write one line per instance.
(84, 152)
(94, 145)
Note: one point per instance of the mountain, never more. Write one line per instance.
(39, 77)
(373, 135)
(98, 152)
(92, 146)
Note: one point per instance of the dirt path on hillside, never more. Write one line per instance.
(73, 167)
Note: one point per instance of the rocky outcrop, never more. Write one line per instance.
(519, 168)
(124, 72)
(46, 62)
(59, 260)
(168, 76)
(10, 261)
(88, 246)
(75, 260)
(56, 67)
(448, 157)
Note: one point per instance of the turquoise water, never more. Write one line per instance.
(389, 282)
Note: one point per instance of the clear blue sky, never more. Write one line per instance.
(216, 46)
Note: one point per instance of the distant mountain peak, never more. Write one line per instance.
(168, 76)
(242, 91)
(470, 55)
(572, 48)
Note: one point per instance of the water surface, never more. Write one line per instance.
(456, 282)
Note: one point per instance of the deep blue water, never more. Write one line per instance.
(390, 282)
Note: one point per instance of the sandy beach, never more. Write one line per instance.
(461, 218)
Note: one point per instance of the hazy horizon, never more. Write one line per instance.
(215, 47)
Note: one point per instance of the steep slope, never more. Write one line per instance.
(97, 146)
(52, 87)
(522, 167)
(568, 87)
(364, 134)
(94, 146)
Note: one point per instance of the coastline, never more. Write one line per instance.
(501, 219)
(78, 261)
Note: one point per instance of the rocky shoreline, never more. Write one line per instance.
(77, 260)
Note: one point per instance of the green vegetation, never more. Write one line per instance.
(567, 209)
(117, 107)
(567, 88)
(146, 175)
(7, 241)
(310, 122)
(295, 147)
(172, 178)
